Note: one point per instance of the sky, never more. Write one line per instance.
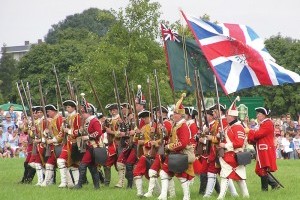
(30, 20)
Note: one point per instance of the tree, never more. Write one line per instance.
(129, 43)
(71, 46)
(91, 20)
(7, 77)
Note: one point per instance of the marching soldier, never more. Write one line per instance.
(159, 157)
(125, 145)
(209, 171)
(39, 161)
(220, 118)
(263, 138)
(143, 142)
(179, 141)
(54, 138)
(90, 133)
(234, 142)
(112, 133)
(140, 103)
(65, 161)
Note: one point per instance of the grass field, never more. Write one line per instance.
(11, 171)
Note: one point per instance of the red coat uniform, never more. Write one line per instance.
(40, 126)
(94, 129)
(263, 138)
(132, 158)
(180, 138)
(235, 141)
(193, 130)
(158, 160)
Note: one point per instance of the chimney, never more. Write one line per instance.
(26, 43)
(40, 41)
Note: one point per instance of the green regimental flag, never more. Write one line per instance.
(174, 50)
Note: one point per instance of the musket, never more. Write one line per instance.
(97, 97)
(129, 99)
(23, 106)
(70, 89)
(161, 149)
(65, 123)
(208, 142)
(82, 145)
(47, 149)
(24, 91)
(32, 118)
(59, 92)
(221, 151)
(24, 109)
(122, 125)
(136, 117)
(153, 150)
(199, 147)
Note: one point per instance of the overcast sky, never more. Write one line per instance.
(31, 19)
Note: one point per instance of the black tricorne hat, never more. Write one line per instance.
(50, 107)
(263, 110)
(36, 108)
(111, 106)
(70, 103)
(163, 109)
(215, 107)
(144, 113)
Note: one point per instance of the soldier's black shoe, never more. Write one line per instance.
(264, 183)
(95, 176)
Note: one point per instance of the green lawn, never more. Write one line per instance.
(11, 171)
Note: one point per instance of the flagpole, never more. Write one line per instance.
(218, 103)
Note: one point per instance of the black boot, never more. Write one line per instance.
(264, 183)
(85, 180)
(273, 183)
(217, 186)
(101, 176)
(107, 173)
(129, 175)
(54, 175)
(203, 183)
(30, 175)
(25, 173)
(82, 175)
(95, 176)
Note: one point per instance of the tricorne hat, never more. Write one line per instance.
(70, 103)
(36, 108)
(144, 113)
(163, 109)
(50, 107)
(179, 108)
(263, 110)
(111, 106)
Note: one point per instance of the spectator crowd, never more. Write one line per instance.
(13, 141)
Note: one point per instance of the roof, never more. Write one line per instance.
(16, 49)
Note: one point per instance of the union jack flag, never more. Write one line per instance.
(169, 34)
(237, 56)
